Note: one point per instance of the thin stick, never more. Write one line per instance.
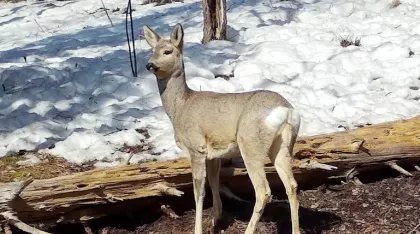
(39, 25)
(106, 12)
(414, 229)
(394, 166)
(417, 167)
(13, 220)
(9, 191)
(129, 158)
(313, 164)
(166, 189)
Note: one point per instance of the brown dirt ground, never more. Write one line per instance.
(390, 205)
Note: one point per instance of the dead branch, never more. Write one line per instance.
(13, 220)
(10, 191)
(415, 229)
(311, 164)
(165, 189)
(394, 166)
(106, 12)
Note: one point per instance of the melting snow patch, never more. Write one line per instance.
(68, 89)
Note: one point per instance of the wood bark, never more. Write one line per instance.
(91, 194)
(215, 20)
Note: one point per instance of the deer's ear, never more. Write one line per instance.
(177, 36)
(152, 37)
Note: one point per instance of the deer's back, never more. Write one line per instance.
(217, 116)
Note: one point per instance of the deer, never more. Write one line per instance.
(210, 126)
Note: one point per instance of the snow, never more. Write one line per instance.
(66, 81)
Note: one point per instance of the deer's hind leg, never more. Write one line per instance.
(253, 153)
(213, 171)
(281, 156)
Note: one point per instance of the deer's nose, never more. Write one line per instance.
(151, 66)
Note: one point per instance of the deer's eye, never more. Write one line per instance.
(167, 52)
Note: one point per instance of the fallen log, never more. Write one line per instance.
(92, 194)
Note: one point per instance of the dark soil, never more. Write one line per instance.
(389, 205)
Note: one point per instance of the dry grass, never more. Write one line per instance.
(49, 167)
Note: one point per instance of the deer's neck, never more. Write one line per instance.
(174, 93)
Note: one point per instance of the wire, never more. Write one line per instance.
(132, 63)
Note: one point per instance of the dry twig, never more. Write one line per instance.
(106, 12)
(164, 188)
(415, 229)
(395, 166)
(13, 220)
(312, 164)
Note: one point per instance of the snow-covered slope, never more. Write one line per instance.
(66, 80)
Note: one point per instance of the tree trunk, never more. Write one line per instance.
(91, 194)
(214, 12)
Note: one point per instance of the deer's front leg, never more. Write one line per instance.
(198, 167)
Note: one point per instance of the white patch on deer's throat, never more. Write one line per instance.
(277, 117)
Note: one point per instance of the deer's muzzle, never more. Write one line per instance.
(151, 67)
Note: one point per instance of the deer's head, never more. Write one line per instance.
(166, 53)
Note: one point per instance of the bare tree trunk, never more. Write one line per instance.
(215, 20)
